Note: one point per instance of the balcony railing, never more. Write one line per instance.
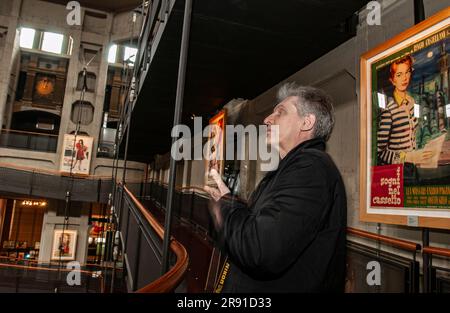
(397, 274)
(439, 277)
(17, 139)
(45, 183)
(142, 240)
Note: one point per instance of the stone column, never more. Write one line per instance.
(9, 52)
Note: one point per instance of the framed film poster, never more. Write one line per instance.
(64, 245)
(76, 154)
(215, 146)
(405, 127)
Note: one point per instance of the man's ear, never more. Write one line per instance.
(308, 122)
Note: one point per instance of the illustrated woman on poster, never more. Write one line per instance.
(80, 153)
(215, 146)
(213, 151)
(397, 128)
(64, 244)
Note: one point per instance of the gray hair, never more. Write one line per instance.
(313, 101)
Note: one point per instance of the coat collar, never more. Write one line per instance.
(315, 143)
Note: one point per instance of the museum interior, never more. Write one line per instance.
(90, 91)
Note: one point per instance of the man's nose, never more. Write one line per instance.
(268, 120)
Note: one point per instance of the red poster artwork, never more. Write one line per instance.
(387, 186)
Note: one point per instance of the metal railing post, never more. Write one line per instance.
(176, 121)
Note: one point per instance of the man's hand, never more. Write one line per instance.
(216, 194)
(213, 192)
(221, 190)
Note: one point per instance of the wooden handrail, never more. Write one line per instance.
(398, 243)
(148, 216)
(170, 280)
(437, 251)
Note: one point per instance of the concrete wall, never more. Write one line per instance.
(9, 12)
(96, 32)
(123, 26)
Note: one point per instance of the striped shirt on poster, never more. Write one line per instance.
(396, 132)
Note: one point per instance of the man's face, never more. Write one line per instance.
(286, 117)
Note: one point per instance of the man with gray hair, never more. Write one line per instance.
(290, 236)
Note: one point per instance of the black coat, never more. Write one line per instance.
(291, 235)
